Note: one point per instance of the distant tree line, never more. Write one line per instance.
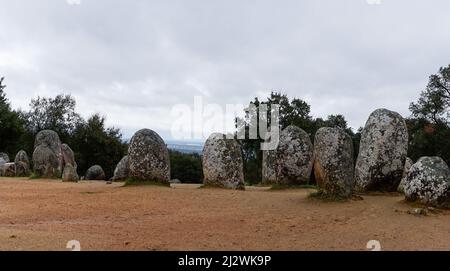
(428, 125)
(94, 143)
(291, 112)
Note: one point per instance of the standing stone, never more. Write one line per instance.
(382, 152)
(4, 158)
(22, 156)
(95, 173)
(222, 163)
(122, 170)
(9, 170)
(408, 165)
(333, 162)
(428, 182)
(292, 161)
(47, 157)
(70, 174)
(68, 157)
(22, 164)
(148, 157)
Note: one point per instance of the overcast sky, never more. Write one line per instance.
(133, 60)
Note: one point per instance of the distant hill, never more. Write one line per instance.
(185, 146)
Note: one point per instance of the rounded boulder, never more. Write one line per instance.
(95, 173)
(292, 161)
(148, 157)
(428, 182)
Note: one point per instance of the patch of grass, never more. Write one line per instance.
(135, 182)
(292, 186)
(322, 196)
(34, 176)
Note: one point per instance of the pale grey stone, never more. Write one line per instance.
(148, 157)
(122, 170)
(47, 156)
(292, 161)
(68, 157)
(408, 164)
(382, 152)
(428, 182)
(333, 162)
(95, 173)
(70, 174)
(222, 163)
(9, 170)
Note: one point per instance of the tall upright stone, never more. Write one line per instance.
(222, 163)
(382, 152)
(47, 157)
(292, 161)
(408, 165)
(70, 174)
(122, 170)
(22, 164)
(4, 158)
(333, 162)
(148, 157)
(68, 157)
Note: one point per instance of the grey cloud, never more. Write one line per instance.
(133, 60)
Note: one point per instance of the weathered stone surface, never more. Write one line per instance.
(70, 173)
(48, 138)
(95, 173)
(22, 169)
(222, 163)
(292, 161)
(22, 156)
(9, 170)
(408, 165)
(122, 171)
(333, 162)
(47, 157)
(4, 156)
(428, 182)
(382, 152)
(22, 164)
(46, 163)
(148, 157)
(68, 157)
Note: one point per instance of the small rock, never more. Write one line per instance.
(418, 211)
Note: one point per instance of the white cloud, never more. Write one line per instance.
(73, 2)
(136, 60)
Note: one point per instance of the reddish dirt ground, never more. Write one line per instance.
(45, 215)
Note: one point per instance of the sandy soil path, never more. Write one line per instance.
(45, 214)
